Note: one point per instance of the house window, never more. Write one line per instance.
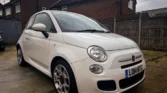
(1, 13)
(17, 7)
(64, 8)
(8, 11)
(130, 4)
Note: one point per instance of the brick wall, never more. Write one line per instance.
(100, 9)
(28, 8)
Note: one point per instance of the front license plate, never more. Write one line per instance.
(133, 71)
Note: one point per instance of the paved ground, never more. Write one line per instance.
(14, 79)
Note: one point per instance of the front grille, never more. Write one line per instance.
(129, 65)
(124, 83)
(108, 85)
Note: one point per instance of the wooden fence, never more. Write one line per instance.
(149, 33)
(154, 33)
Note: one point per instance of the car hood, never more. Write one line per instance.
(108, 41)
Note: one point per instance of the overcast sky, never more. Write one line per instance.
(4, 1)
(150, 4)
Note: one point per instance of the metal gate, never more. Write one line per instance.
(11, 30)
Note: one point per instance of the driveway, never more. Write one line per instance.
(15, 79)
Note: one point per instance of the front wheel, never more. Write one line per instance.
(20, 58)
(63, 78)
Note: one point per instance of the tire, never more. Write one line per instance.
(20, 58)
(63, 78)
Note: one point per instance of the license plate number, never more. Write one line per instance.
(133, 71)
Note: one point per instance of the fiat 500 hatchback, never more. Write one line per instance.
(80, 54)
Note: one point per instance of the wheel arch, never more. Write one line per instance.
(70, 65)
(59, 58)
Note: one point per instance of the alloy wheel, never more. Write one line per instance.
(19, 56)
(61, 79)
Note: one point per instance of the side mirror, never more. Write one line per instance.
(39, 27)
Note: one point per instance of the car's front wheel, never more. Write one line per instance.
(20, 58)
(63, 78)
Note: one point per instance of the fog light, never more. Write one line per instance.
(96, 69)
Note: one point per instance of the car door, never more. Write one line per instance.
(39, 52)
(25, 38)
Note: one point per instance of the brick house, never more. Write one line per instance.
(23, 9)
(98, 9)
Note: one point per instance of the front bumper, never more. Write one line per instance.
(87, 82)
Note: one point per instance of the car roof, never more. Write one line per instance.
(56, 11)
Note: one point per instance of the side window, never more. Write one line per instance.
(30, 23)
(17, 8)
(8, 11)
(45, 19)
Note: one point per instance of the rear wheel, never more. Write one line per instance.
(20, 58)
(63, 78)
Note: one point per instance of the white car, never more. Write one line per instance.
(80, 54)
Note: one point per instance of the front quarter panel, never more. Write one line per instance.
(69, 52)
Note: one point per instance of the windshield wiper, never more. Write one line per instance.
(91, 30)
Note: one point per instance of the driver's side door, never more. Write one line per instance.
(39, 43)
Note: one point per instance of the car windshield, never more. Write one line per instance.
(72, 22)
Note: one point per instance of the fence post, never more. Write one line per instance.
(140, 21)
(115, 24)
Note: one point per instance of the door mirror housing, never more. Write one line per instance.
(39, 27)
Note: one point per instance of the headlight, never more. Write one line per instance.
(97, 53)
